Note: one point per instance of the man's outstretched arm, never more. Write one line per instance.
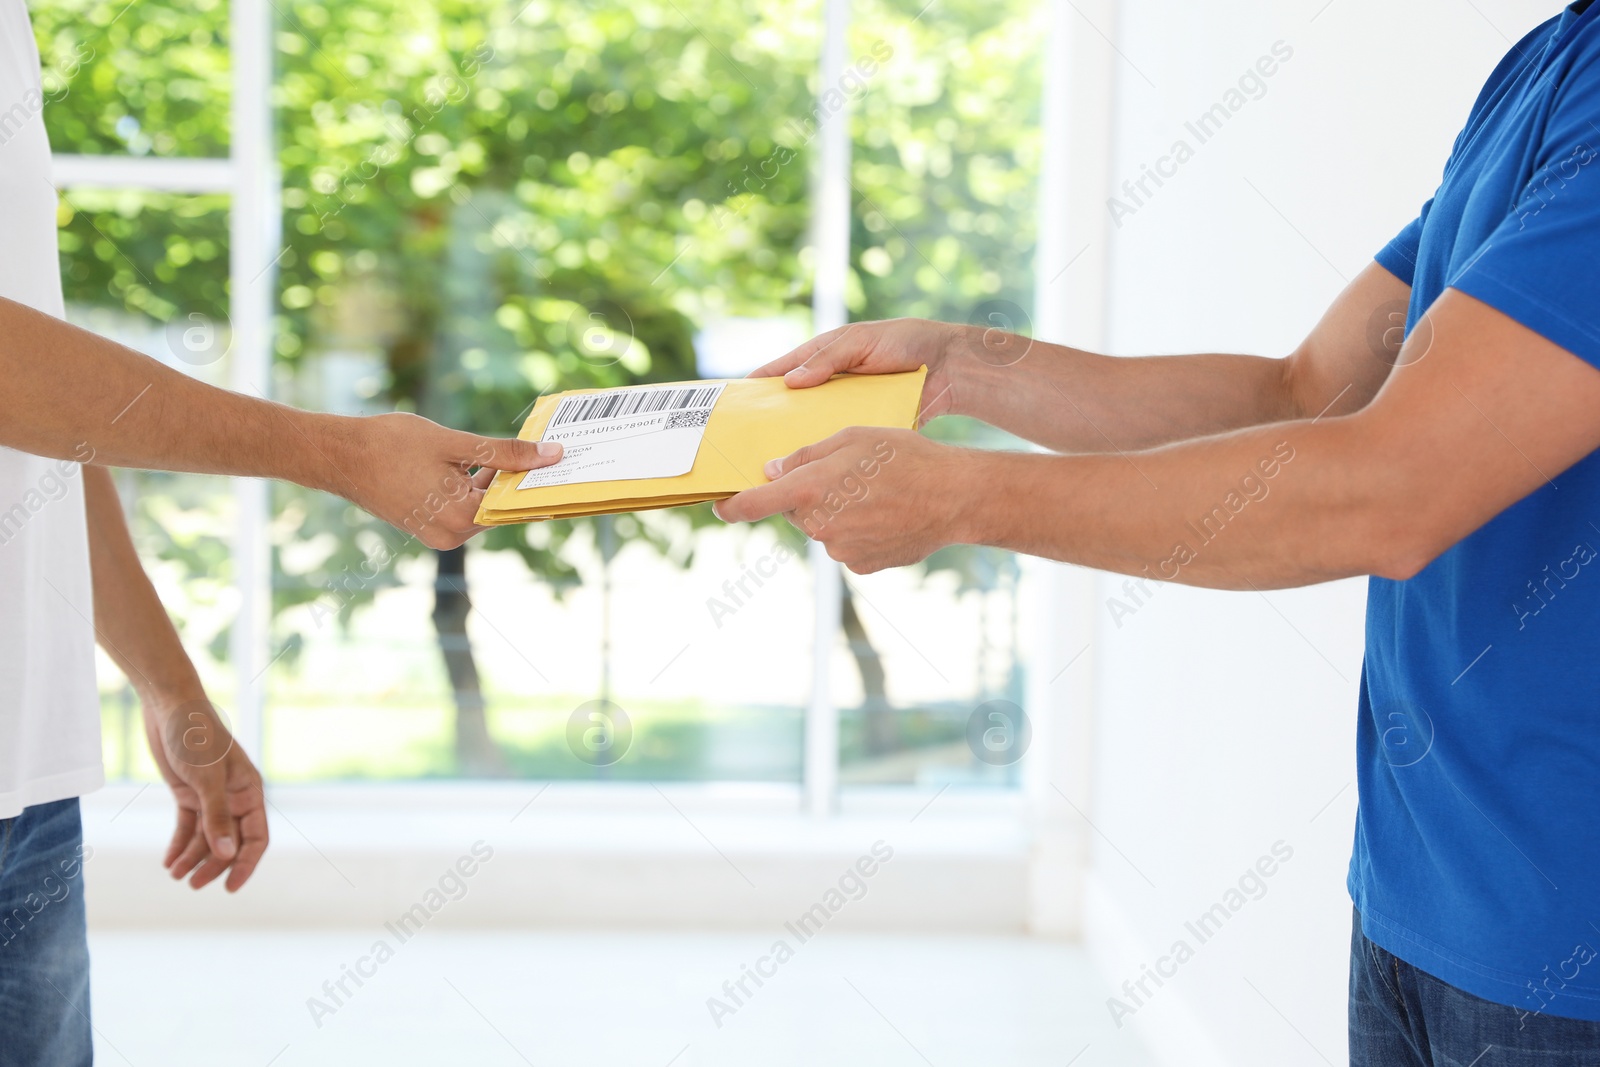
(1070, 400)
(1479, 412)
(70, 393)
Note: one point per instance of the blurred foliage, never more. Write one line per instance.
(157, 254)
(494, 204)
(482, 203)
(946, 158)
(145, 78)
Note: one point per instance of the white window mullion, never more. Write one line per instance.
(831, 240)
(253, 229)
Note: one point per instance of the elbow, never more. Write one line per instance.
(1395, 517)
(1401, 546)
(1401, 565)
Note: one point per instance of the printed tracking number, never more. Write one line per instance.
(624, 402)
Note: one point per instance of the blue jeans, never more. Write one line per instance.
(44, 945)
(1403, 1017)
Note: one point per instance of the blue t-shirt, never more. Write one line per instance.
(1477, 844)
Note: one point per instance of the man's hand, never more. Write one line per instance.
(222, 817)
(876, 498)
(888, 347)
(423, 478)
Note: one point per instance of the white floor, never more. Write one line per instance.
(598, 999)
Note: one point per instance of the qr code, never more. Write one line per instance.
(688, 420)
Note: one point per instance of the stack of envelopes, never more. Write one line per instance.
(662, 446)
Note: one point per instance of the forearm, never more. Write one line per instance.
(130, 622)
(1069, 400)
(72, 395)
(1074, 401)
(1274, 506)
(69, 391)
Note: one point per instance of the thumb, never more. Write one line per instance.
(215, 818)
(818, 369)
(511, 454)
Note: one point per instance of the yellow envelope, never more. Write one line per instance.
(754, 420)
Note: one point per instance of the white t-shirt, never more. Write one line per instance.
(49, 704)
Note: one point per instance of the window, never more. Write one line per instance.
(453, 208)
(944, 183)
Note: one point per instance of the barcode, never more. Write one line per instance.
(688, 420)
(618, 404)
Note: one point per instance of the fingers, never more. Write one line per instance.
(242, 805)
(253, 830)
(205, 846)
(752, 505)
(199, 858)
(207, 872)
(215, 818)
(818, 359)
(247, 805)
(469, 512)
(205, 841)
(780, 494)
(786, 363)
(509, 453)
(452, 524)
(182, 834)
(193, 853)
(777, 468)
(445, 519)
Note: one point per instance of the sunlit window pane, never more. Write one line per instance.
(945, 184)
(481, 207)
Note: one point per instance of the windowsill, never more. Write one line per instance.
(705, 855)
(514, 799)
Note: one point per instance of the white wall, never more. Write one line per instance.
(1225, 722)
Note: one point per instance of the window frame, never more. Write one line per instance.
(249, 174)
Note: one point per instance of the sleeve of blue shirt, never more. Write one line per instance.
(1399, 256)
(1540, 266)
